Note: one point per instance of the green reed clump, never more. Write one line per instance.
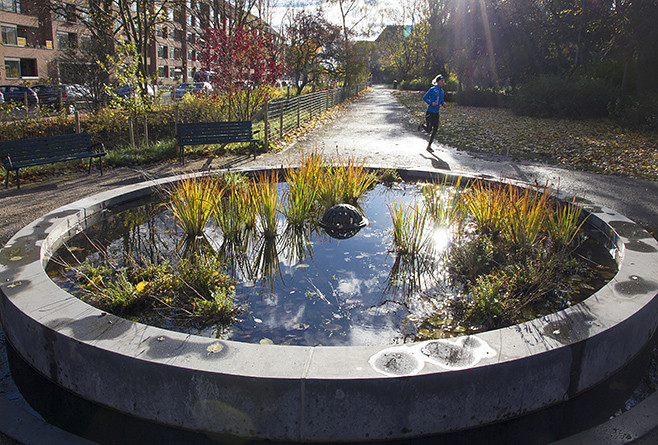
(191, 202)
(234, 210)
(344, 182)
(409, 225)
(515, 255)
(265, 192)
(443, 202)
(526, 214)
(355, 179)
(487, 204)
(303, 190)
(564, 222)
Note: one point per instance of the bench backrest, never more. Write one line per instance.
(199, 133)
(45, 148)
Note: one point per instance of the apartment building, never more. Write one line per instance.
(33, 35)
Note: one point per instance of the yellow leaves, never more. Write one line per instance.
(590, 144)
(139, 287)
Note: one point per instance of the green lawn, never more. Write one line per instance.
(597, 145)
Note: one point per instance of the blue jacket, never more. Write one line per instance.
(434, 94)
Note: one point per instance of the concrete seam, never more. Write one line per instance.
(302, 393)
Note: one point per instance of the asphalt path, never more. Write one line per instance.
(374, 128)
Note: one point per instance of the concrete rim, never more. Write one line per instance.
(295, 393)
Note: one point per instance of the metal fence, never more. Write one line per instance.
(285, 114)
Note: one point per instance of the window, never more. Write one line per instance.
(191, 54)
(12, 68)
(66, 13)
(9, 34)
(164, 32)
(63, 40)
(190, 20)
(172, 53)
(163, 71)
(163, 52)
(20, 68)
(191, 37)
(86, 42)
(29, 68)
(10, 6)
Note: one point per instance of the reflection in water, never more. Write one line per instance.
(300, 287)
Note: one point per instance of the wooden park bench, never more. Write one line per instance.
(20, 153)
(200, 133)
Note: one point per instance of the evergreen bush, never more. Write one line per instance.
(555, 96)
(477, 97)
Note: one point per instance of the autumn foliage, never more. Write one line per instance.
(236, 54)
(244, 63)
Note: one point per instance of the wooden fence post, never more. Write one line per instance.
(77, 121)
(146, 131)
(266, 141)
(298, 110)
(131, 131)
(281, 120)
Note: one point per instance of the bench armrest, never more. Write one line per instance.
(98, 144)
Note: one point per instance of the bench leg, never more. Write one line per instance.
(7, 179)
(18, 181)
(100, 162)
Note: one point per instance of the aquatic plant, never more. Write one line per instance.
(354, 180)
(197, 289)
(526, 212)
(388, 176)
(409, 225)
(443, 202)
(564, 222)
(264, 190)
(302, 192)
(191, 202)
(487, 204)
(234, 212)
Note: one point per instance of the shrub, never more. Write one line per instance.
(476, 97)
(635, 113)
(554, 96)
(416, 84)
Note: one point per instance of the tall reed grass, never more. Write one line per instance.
(564, 222)
(264, 189)
(526, 213)
(191, 202)
(303, 189)
(409, 225)
(487, 204)
(443, 202)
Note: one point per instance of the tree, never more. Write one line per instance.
(245, 63)
(352, 14)
(310, 47)
(114, 22)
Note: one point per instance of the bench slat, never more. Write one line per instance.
(21, 153)
(203, 133)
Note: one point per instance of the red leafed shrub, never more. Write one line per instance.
(240, 61)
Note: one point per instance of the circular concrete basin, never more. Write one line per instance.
(313, 394)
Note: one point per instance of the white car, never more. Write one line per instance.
(194, 87)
